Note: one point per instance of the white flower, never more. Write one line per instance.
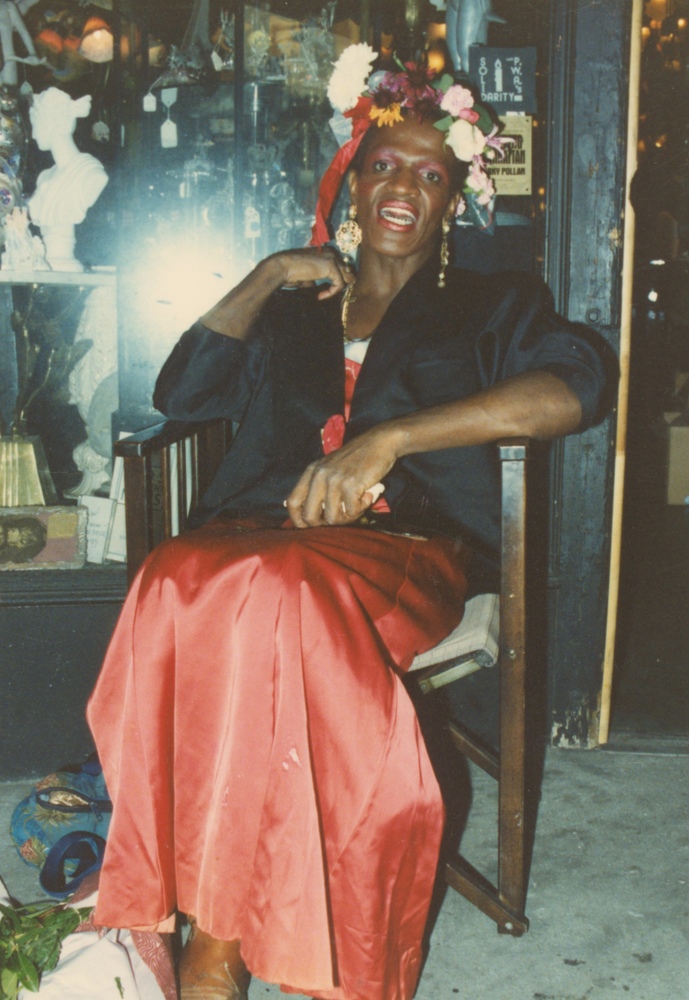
(466, 141)
(351, 72)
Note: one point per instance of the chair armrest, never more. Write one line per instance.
(159, 436)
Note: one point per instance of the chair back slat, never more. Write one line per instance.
(181, 486)
(165, 493)
(138, 480)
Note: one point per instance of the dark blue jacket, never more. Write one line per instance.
(432, 346)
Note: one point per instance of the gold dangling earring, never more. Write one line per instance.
(444, 253)
(348, 236)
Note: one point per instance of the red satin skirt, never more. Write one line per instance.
(265, 762)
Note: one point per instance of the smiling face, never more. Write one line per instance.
(404, 187)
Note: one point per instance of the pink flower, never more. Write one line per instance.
(469, 115)
(498, 142)
(479, 183)
(389, 90)
(456, 100)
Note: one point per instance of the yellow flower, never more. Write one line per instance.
(386, 116)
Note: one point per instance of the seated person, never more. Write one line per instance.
(267, 770)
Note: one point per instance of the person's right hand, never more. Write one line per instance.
(303, 268)
(234, 314)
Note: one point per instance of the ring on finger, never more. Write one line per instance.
(344, 509)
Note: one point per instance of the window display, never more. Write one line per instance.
(205, 130)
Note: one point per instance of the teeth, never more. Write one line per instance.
(399, 216)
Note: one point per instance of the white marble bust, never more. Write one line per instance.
(66, 191)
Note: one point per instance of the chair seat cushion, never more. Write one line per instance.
(476, 637)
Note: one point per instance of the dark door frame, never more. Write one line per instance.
(586, 134)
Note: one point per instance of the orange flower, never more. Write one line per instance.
(386, 116)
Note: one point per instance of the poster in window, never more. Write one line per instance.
(512, 175)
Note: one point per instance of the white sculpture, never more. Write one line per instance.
(467, 25)
(65, 192)
(11, 21)
(93, 388)
(23, 251)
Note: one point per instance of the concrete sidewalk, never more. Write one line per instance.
(608, 898)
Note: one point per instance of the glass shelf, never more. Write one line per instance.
(96, 277)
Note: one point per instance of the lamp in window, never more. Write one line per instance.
(49, 42)
(96, 41)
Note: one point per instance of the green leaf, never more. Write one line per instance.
(28, 973)
(44, 950)
(445, 82)
(444, 124)
(62, 921)
(30, 942)
(485, 122)
(10, 914)
(9, 983)
(13, 961)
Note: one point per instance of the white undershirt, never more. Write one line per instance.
(355, 350)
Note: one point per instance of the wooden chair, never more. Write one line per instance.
(166, 470)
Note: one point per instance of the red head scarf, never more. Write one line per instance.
(334, 175)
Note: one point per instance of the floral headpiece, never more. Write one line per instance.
(361, 99)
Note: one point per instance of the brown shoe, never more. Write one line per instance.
(211, 969)
(214, 986)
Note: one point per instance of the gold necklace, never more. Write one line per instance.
(347, 300)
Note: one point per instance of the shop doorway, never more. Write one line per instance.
(650, 692)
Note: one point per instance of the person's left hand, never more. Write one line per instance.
(334, 490)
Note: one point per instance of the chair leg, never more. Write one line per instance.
(470, 883)
(504, 903)
(512, 868)
(512, 665)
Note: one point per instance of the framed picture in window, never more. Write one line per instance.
(33, 538)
